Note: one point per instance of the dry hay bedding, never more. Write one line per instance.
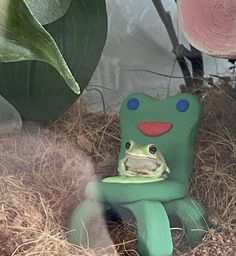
(42, 177)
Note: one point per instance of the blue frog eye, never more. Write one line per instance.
(182, 105)
(133, 103)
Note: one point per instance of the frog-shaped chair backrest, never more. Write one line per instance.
(170, 124)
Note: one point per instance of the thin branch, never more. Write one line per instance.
(196, 59)
(168, 87)
(165, 75)
(102, 97)
(167, 21)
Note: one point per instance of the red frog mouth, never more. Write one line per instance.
(153, 129)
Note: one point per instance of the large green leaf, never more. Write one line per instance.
(35, 88)
(23, 38)
(47, 11)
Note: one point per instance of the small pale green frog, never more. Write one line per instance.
(145, 161)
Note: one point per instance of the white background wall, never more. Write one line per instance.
(137, 39)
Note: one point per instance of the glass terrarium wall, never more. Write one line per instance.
(138, 40)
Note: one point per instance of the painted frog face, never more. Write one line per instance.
(144, 161)
(171, 124)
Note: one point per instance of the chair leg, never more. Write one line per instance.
(80, 219)
(192, 215)
(154, 236)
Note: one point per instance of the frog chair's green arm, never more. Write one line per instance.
(152, 241)
(80, 219)
(192, 215)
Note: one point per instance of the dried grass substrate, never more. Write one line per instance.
(42, 178)
(214, 176)
(97, 134)
(28, 226)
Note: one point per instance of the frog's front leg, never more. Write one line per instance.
(122, 169)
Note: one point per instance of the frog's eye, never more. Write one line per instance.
(133, 103)
(152, 149)
(182, 105)
(127, 145)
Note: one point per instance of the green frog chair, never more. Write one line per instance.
(159, 134)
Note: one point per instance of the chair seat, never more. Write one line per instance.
(119, 193)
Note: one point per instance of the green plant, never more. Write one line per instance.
(34, 77)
